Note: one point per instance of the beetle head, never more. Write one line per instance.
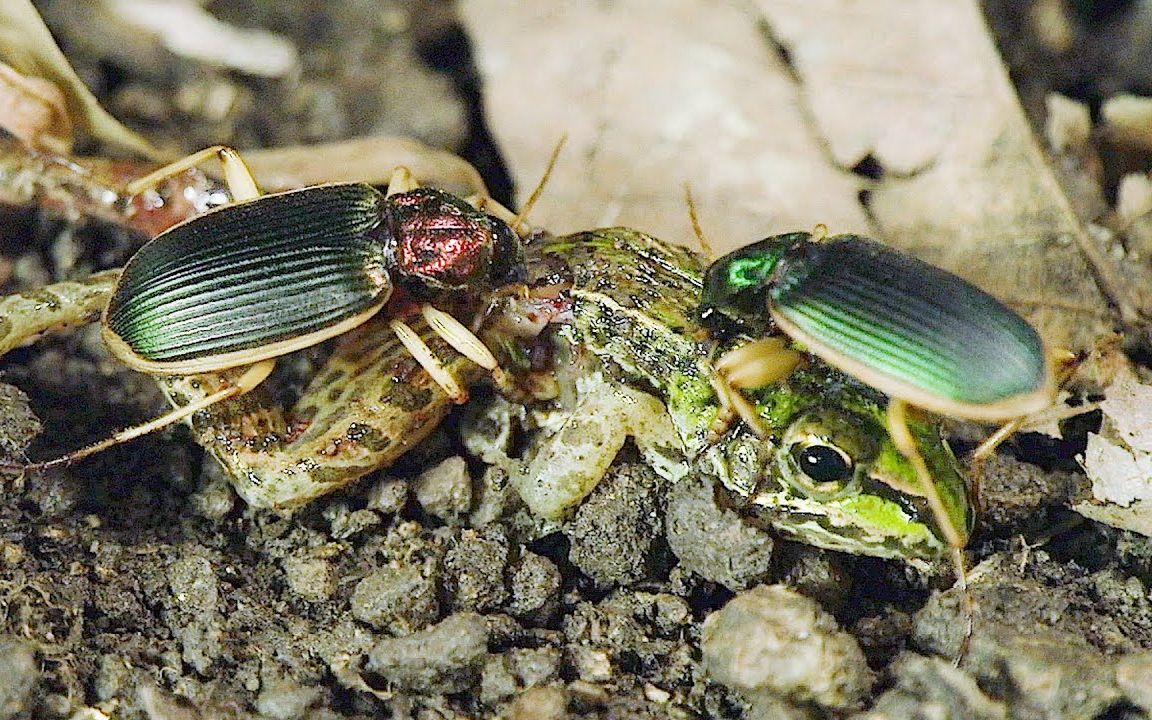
(440, 242)
(738, 286)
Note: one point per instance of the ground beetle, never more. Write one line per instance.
(907, 328)
(269, 274)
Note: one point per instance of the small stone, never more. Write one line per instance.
(534, 588)
(445, 491)
(19, 672)
(493, 494)
(388, 496)
(194, 615)
(18, 425)
(1132, 674)
(931, 686)
(591, 664)
(510, 672)
(346, 523)
(286, 700)
(615, 528)
(474, 571)
(773, 639)
(541, 703)
(398, 599)
(444, 658)
(310, 578)
(111, 676)
(713, 542)
(215, 497)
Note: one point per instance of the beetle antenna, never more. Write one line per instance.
(523, 214)
(695, 218)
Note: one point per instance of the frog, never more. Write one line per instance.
(821, 468)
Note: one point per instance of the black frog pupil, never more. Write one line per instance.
(823, 464)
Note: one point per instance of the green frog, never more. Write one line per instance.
(821, 467)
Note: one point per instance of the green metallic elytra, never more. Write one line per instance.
(252, 275)
(906, 327)
(828, 475)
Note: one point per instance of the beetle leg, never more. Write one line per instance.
(428, 360)
(465, 342)
(902, 437)
(237, 176)
(252, 376)
(401, 182)
(756, 364)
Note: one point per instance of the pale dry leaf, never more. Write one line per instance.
(27, 46)
(190, 31)
(654, 94)
(1128, 119)
(1118, 460)
(33, 111)
(766, 107)
(369, 159)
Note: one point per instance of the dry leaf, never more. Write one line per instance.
(27, 46)
(190, 31)
(766, 108)
(33, 111)
(1118, 460)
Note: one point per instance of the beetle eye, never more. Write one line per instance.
(823, 463)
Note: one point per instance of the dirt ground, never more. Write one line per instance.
(136, 584)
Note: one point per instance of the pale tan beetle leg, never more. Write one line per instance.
(237, 176)
(423, 354)
(956, 538)
(465, 342)
(401, 181)
(252, 377)
(759, 363)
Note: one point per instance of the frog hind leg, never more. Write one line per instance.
(369, 404)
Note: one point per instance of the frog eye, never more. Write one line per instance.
(823, 463)
(822, 452)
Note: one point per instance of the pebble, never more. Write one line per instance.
(712, 542)
(19, 672)
(445, 490)
(614, 530)
(444, 658)
(773, 639)
(399, 599)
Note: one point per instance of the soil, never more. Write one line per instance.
(136, 585)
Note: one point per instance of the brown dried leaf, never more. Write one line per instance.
(369, 159)
(766, 109)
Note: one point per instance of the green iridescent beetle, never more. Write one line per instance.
(916, 332)
(825, 471)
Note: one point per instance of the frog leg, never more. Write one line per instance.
(753, 365)
(26, 316)
(243, 187)
(369, 404)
